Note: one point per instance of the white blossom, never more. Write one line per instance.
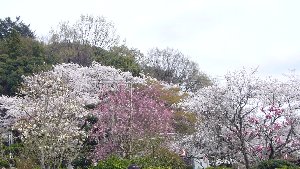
(231, 116)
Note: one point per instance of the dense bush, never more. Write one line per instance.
(271, 164)
(158, 168)
(218, 167)
(26, 163)
(82, 162)
(113, 162)
(4, 163)
(161, 159)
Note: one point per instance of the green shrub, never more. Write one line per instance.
(113, 162)
(272, 164)
(286, 167)
(162, 158)
(218, 167)
(4, 163)
(158, 168)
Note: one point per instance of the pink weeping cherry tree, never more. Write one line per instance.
(128, 117)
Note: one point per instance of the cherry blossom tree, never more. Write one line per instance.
(51, 120)
(276, 125)
(51, 109)
(128, 117)
(245, 116)
(8, 115)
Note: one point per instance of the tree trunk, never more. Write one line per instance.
(42, 159)
(244, 151)
(272, 153)
(242, 139)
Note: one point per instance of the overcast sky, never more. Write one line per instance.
(220, 35)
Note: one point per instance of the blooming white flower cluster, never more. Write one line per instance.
(87, 82)
(247, 112)
(51, 119)
(8, 111)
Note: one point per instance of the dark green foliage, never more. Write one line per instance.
(82, 162)
(272, 164)
(121, 57)
(14, 149)
(19, 56)
(219, 167)
(66, 52)
(90, 121)
(4, 163)
(7, 26)
(13, 44)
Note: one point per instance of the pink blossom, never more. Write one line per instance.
(271, 109)
(268, 116)
(126, 117)
(278, 140)
(276, 126)
(278, 112)
(253, 120)
(259, 148)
